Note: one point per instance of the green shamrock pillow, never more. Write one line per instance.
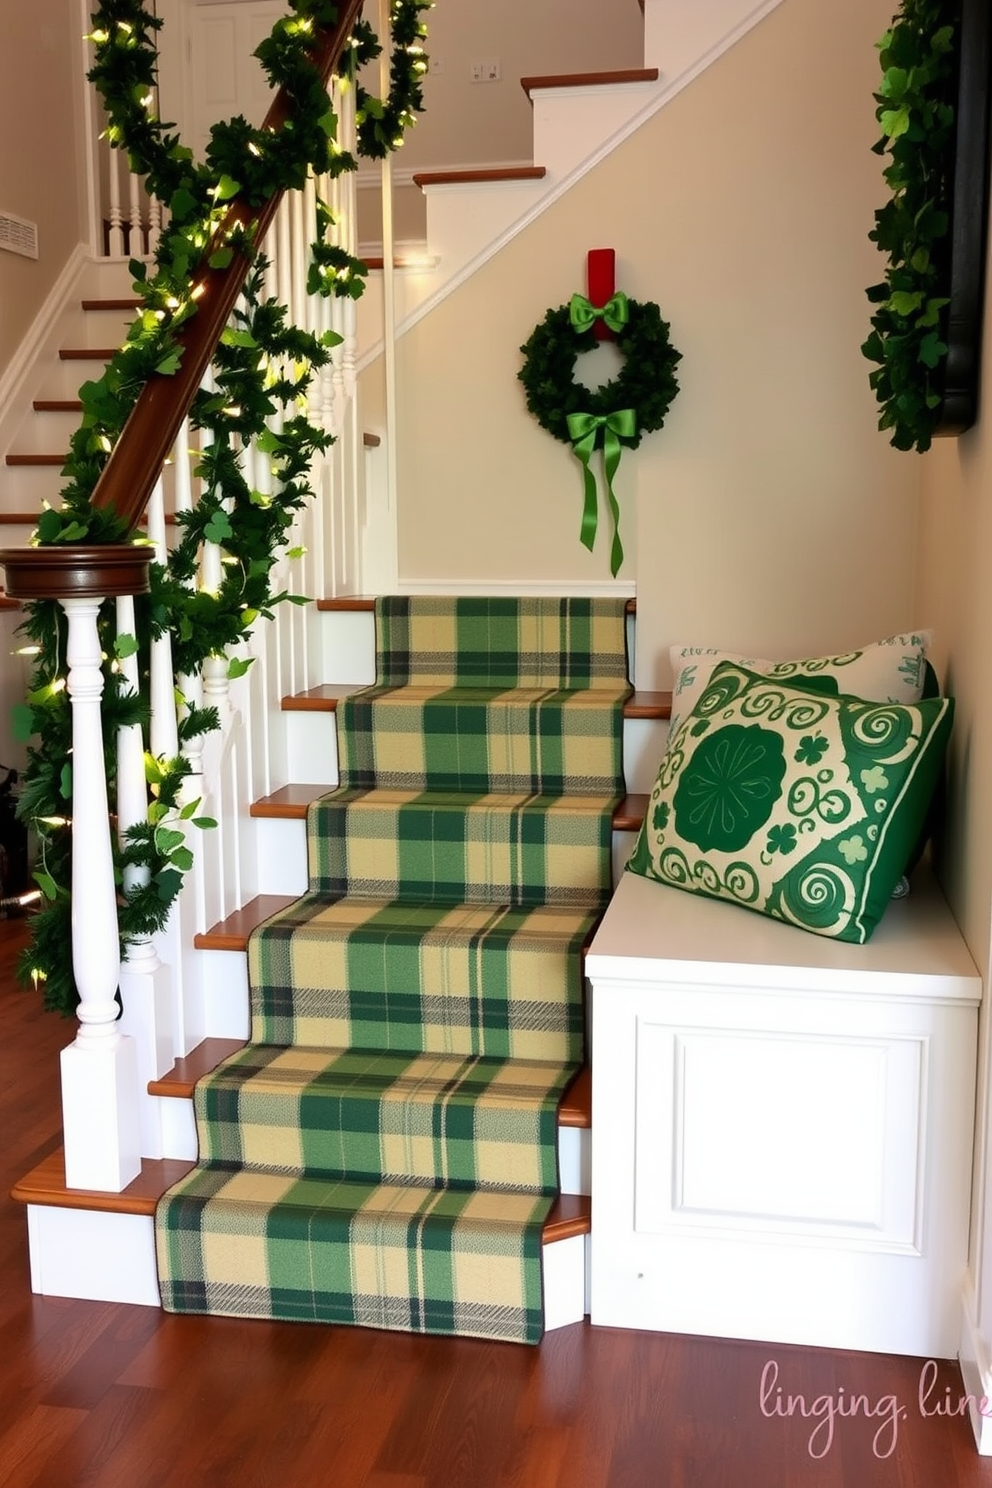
(797, 805)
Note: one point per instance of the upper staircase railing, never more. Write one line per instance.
(136, 460)
(108, 1120)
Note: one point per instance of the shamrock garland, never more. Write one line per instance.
(916, 113)
(263, 364)
(611, 417)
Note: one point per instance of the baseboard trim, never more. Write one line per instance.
(975, 1371)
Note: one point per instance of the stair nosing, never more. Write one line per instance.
(178, 1083)
(87, 353)
(45, 1185)
(614, 79)
(359, 603)
(325, 698)
(479, 177)
(626, 818)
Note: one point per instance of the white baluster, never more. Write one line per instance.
(99, 1070)
(154, 225)
(136, 241)
(144, 980)
(116, 239)
(164, 728)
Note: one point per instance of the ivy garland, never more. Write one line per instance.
(916, 113)
(615, 415)
(263, 366)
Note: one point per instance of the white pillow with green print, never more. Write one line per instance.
(889, 671)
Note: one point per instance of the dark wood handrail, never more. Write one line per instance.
(148, 436)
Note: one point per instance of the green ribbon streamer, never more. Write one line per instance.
(582, 313)
(583, 429)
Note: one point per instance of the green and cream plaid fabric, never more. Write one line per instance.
(372, 1116)
(455, 847)
(383, 1152)
(440, 978)
(501, 643)
(246, 1242)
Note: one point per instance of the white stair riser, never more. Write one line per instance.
(111, 1258)
(570, 123)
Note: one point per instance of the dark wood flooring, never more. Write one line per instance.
(127, 1397)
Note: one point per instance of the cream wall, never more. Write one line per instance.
(769, 512)
(40, 167)
(955, 587)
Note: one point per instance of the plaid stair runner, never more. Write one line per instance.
(384, 1150)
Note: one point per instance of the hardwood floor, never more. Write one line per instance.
(98, 1394)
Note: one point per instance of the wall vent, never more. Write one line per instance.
(18, 236)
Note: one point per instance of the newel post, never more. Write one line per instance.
(100, 1109)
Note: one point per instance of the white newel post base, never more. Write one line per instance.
(99, 1070)
(100, 1115)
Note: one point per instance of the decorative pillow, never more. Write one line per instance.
(796, 805)
(889, 671)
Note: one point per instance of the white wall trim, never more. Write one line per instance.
(39, 343)
(667, 91)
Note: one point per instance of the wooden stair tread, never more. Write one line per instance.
(130, 303)
(589, 79)
(231, 933)
(321, 699)
(475, 177)
(325, 699)
(177, 1083)
(648, 705)
(46, 1184)
(361, 602)
(57, 405)
(576, 1103)
(348, 603)
(87, 354)
(55, 460)
(290, 803)
(571, 1214)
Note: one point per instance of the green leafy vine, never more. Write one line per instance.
(916, 113)
(262, 369)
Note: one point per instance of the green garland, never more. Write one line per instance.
(262, 365)
(916, 112)
(615, 415)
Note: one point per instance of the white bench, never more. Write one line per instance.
(782, 1124)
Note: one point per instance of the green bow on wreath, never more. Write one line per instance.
(612, 417)
(583, 314)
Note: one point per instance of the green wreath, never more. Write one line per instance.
(612, 417)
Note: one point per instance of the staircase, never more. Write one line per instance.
(101, 1245)
(578, 119)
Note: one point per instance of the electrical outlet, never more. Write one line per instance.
(487, 71)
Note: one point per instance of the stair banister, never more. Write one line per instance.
(139, 454)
